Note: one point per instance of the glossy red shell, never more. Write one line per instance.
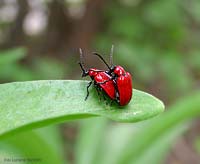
(119, 71)
(124, 85)
(100, 77)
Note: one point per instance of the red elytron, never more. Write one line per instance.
(116, 82)
(124, 85)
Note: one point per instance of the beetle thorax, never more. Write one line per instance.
(93, 72)
(119, 71)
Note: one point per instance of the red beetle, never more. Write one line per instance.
(124, 85)
(102, 80)
(122, 80)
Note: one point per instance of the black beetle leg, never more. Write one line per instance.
(88, 86)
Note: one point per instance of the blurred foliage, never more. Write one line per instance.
(197, 145)
(47, 68)
(12, 69)
(40, 146)
(153, 40)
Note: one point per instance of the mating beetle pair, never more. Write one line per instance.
(115, 82)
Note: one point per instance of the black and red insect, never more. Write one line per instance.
(115, 82)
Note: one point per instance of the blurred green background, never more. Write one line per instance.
(158, 41)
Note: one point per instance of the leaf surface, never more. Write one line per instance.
(26, 105)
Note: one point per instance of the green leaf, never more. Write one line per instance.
(25, 105)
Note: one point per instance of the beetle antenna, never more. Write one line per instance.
(94, 53)
(111, 55)
(81, 63)
(81, 59)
